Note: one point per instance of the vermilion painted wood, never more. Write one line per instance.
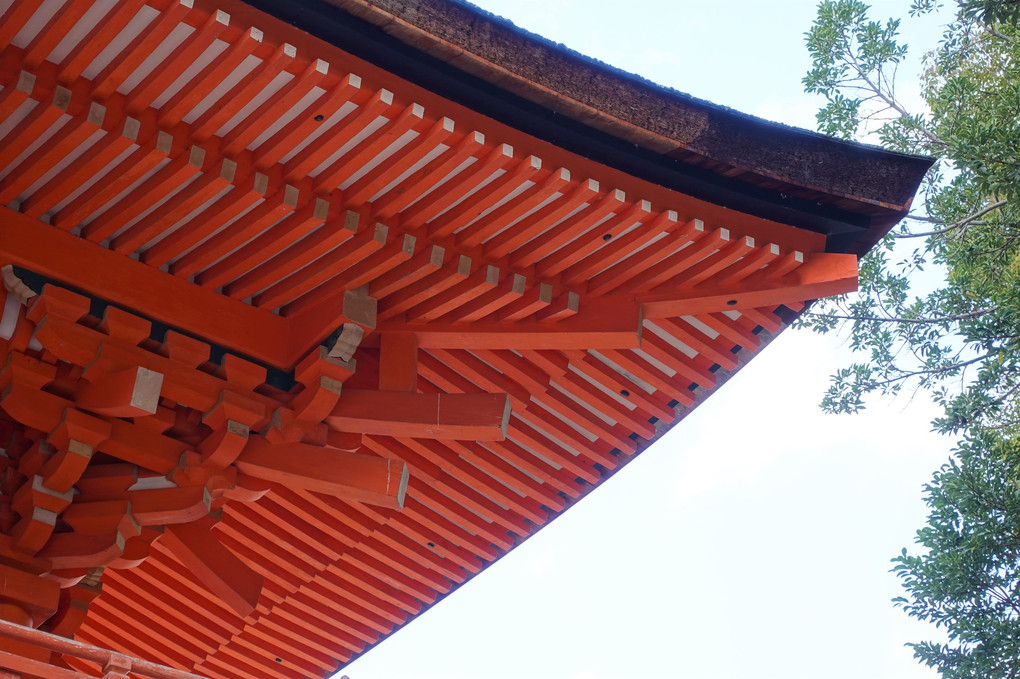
(339, 229)
(822, 275)
(523, 232)
(383, 261)
(467, 180)
(68, 138)
(249, 190)
(710, 265)
(425, 179)
(398, 363)
(220, 571)
(594, 330)
(32, 126)
(600, 372)
(150, 153)
(283, 142)
(89, 47)
(114, 75)
(365, 188)
(490, 301)
(86, 166)
(178, 207)
(476, 284)
(311, 157)
(290, 229)
(154, 190)
(480, 417)
(50, 252)
(323, 269)
(569, 229)
(367, 150)
(246, 132)
(264, 215)
(172, 67)
(210, 122)
(697, 341)
(503, 216)
(581, 261)
(76, 649)
(312, 468)
(14, 19)
(16, 93)
(491, 283)
(52, 33)
(211, 76)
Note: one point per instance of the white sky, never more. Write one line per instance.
(754, 539)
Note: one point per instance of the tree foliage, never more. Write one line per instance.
(961, 338)
(968, 580)
(939, 304)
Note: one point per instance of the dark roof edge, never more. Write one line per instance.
(626, 106)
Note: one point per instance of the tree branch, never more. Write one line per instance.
(900, 319)
(907, 374)
(966, 221)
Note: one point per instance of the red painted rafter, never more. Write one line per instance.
(592, 310)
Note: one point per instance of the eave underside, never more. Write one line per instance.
(212, 203)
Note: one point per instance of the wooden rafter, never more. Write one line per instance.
(399, 335)
(821, 275)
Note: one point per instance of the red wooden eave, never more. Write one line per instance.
(293, 346)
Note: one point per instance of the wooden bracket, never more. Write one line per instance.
(73, 607)
(317, 400)
(350, 476)
(216, 567)
(36, 595)
(353, 312)
(222, 447)
(133, 392)
(476, 417)
(15, 285)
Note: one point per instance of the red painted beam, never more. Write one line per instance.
(821, 275)
(353, 476)
(472, 417)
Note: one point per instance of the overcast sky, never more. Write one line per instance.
(754, 539)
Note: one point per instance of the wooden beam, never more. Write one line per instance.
(215, 566)
(349, 476)
(110, 276)
(309, 327)
(609, 324)
(398, 363)
(821, 275)
(33, 593)
(472, 417)
(126, 393)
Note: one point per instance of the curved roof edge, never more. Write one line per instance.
(851, 192)
(629, 107)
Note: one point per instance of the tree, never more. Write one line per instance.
(960, 340)
(968, 580)
(939, 304)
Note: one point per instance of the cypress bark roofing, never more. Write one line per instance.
(688, 142)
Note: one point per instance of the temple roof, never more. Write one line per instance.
(601, 111)
(312, 311)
